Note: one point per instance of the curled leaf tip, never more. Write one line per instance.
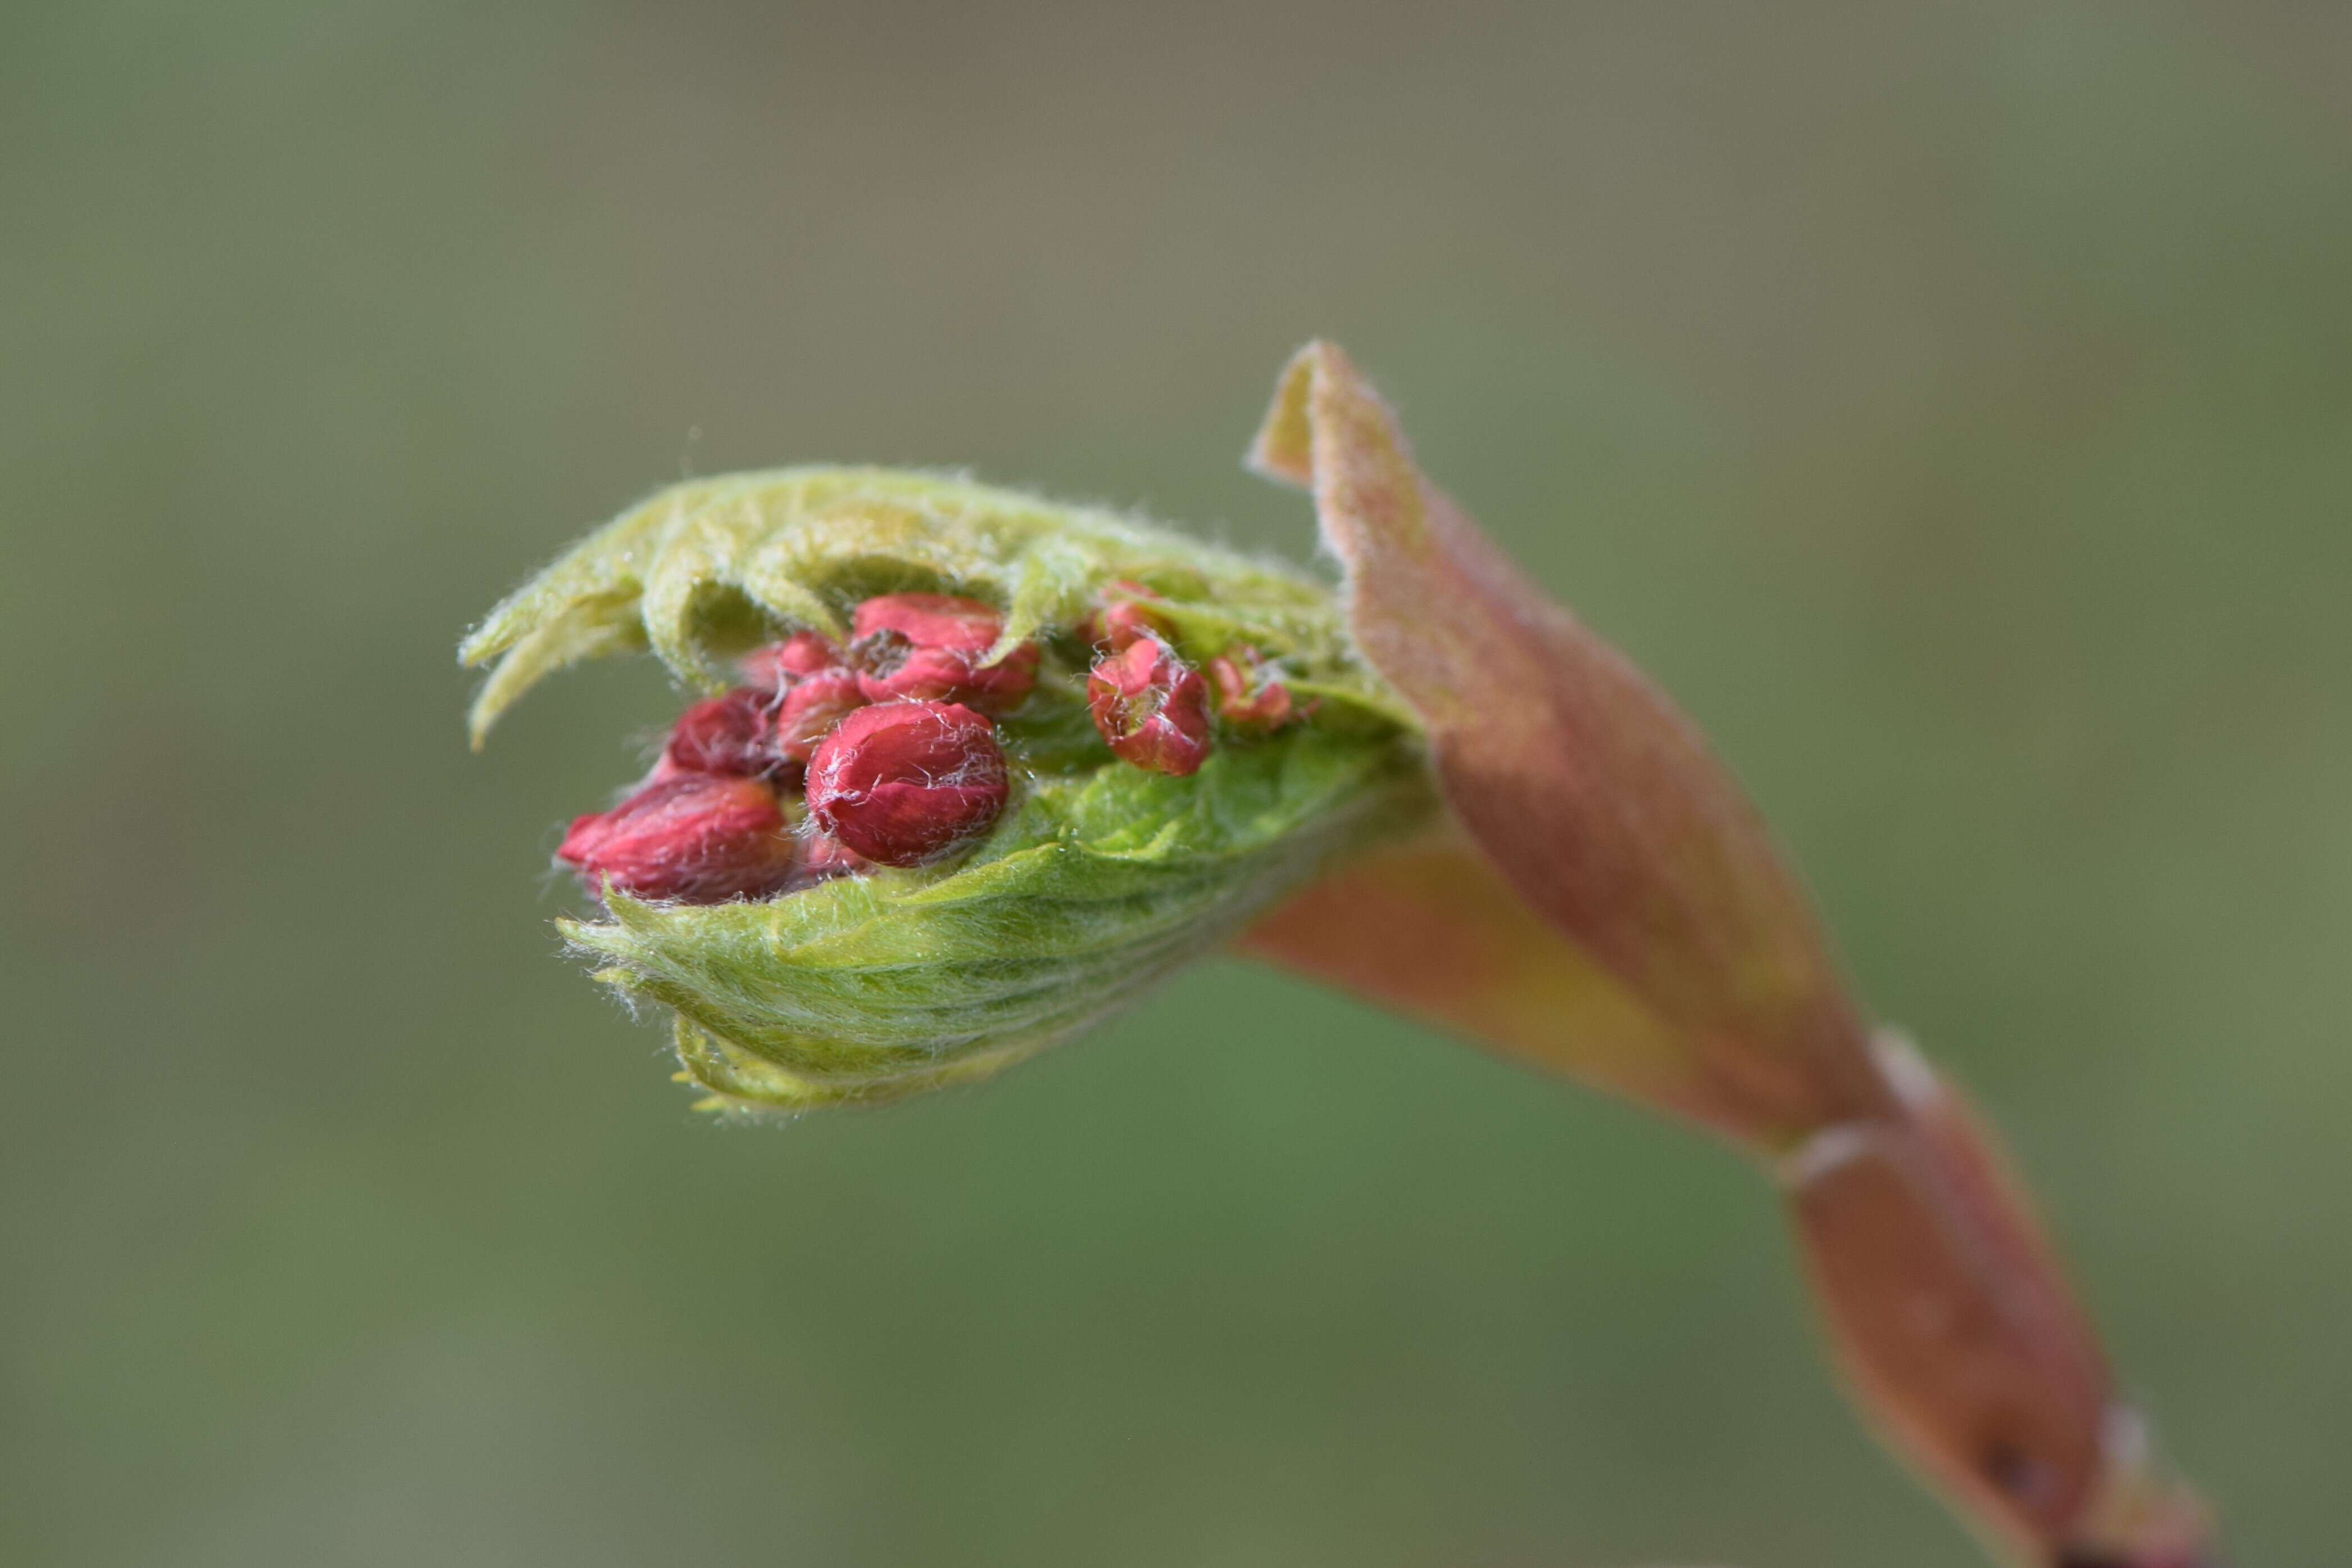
(1589, 796)
(1284, 449)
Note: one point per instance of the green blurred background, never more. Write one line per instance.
(1948, 402)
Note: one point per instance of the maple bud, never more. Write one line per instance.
(778, 667)
(903, 783)
(1603, 900)
(696, 838)
(858, 981)
(812, 708)
(930, 646)
(1151, 707)
(733, 734)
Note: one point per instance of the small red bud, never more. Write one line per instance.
(698, 838)
(1121, 621)
(904, 782)
(1267, 709)
(1151, 707)
(930, 621)
(780, 666)
(828, 856)
(812, 708)
(731, 734)
(928, 646)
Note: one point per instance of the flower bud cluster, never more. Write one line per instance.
(831, 758)
(872, 750)
(1092, 770)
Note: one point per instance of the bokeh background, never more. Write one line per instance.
(1947, 401)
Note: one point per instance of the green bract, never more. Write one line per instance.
(1098, 880)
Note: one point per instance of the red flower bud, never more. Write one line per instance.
(1119, 622)
(1267, 708)
(731, 734)
(828, 856)
(812, 708)
(698, 838)
(1151, 707)
(780, 666)
(905, 782)
(930, 621)
(928, 646)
